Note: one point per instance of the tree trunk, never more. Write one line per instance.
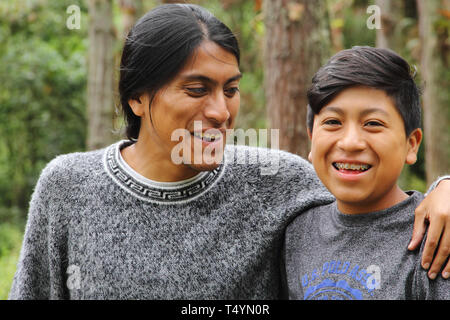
(131, 10)
(391, 14)
(100, 75)
(297, 40)
(435, 60)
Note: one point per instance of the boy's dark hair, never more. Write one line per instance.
(376, 68)
(157, 48)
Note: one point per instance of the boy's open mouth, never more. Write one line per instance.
(346, 167)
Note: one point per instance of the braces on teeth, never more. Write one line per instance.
(351, 166)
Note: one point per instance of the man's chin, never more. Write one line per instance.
(206, 162)
(204, 166)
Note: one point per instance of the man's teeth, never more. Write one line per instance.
(207, 136)
(351, 166)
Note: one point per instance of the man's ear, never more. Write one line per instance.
(310, 138)
(414, 140)
(139, 105)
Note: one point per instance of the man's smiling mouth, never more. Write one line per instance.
(207, 136)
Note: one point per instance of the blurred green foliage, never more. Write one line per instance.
(10, 242)
(42, 93)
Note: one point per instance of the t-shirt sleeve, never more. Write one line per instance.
(427, 289)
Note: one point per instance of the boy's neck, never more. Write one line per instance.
(390, 199)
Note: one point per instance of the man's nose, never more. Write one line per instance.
(217, 109)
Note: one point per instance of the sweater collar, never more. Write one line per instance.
(154, 191)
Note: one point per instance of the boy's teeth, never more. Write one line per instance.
(351, 166)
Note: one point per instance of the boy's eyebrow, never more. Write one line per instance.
(374, 110)
(201, 78)
(334, 109)
(363, 113)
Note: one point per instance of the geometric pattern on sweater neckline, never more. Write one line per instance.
(153, 191)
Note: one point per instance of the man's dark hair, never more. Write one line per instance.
(157, 48)
(376, 68)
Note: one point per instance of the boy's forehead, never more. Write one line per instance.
(363, 100)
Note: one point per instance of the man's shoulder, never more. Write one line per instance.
(267, 158)
(64, 167)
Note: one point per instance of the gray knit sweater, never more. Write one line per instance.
(97, 229)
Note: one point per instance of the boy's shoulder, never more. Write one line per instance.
(401, 214)
(311, 216)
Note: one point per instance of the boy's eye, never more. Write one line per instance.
(373, 124)
(230, 92)
(332, 122)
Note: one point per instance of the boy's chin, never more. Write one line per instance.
(357, 201)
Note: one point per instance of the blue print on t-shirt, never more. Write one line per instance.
(330, 290)
(333, 281)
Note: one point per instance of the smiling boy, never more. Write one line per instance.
(364, 125)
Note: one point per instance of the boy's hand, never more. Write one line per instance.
(435, 209)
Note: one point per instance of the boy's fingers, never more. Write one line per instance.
(419, 228)
(441, 256)
(434, 233)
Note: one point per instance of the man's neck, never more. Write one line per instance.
(153, 166)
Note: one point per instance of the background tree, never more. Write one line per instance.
(434, 26)
(391, 16)
(130, 10)
(297, 40)
(100, 96)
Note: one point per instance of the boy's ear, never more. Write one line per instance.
(139, 105)
(414, 140)
(309, 133)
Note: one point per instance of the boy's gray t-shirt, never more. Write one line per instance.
(331, 255)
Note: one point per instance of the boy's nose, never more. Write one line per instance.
(217, 109)
(351, 140)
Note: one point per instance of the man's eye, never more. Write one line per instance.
(196, 91)
(230, 92)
